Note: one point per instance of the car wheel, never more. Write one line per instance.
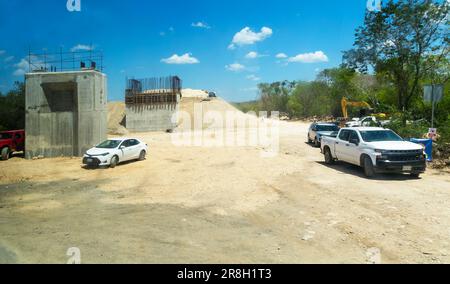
(142, 155)
(415, 175)
(5, 153)
(114, 162)
(328, 157)
(368, 167)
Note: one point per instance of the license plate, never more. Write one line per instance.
(90, 160)
(407, 168)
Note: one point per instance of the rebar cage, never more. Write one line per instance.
(153, 90)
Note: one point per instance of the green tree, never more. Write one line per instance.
(12, 108)
(397, 41)
(275, 96)
(310, 99)
(341, 84)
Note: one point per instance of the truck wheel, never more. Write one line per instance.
(142, 155)
(368, 167)
(328, 157)
(114, 162)
(415, 175)
(5, 154)
(316, 143)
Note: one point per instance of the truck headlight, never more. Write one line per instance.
(104, 155)
(382, 154)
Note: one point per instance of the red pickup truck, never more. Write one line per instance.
(10, 142)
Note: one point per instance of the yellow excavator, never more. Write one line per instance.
(345, 103)
(368, 109)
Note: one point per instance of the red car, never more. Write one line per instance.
(10, 142)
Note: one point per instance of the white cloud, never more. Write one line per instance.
(252, 55)
(318, 56)
(9, 58)
(19, 72)
(253, 78)
(82, 47)
(22, 67)
(281, 55)
(235, 67)
(246, 37)
(201, 25)
(183, 59)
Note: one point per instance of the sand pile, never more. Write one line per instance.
(116, 118)
(215, 106)
(117, 113)
(191, 93)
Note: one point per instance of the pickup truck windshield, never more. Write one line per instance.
(109, 144)
(380, 136)
(324, 128)
(5, 136)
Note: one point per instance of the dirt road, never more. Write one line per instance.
(221, 205)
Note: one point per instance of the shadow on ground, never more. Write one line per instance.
(359, 172)
(122, 164)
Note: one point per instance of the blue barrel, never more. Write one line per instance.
(428, 144)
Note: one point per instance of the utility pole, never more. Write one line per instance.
(433, 103)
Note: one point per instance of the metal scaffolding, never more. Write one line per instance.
(65, 61)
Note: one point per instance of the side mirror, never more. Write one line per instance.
(122, 147)
(354, 141)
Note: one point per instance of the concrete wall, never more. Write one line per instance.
(152, 117)
(66, 113)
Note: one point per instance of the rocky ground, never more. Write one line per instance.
(188, 204)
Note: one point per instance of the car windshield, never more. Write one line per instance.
(379, 136)
(109, 144)
(327, 128)
(5, 136)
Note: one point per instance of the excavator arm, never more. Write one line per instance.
(345, 103)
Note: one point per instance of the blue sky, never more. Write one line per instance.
(227, 46)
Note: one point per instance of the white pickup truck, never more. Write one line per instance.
(376, 150)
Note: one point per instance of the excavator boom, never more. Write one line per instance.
(345, 103)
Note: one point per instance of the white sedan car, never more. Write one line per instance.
(115, 151)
